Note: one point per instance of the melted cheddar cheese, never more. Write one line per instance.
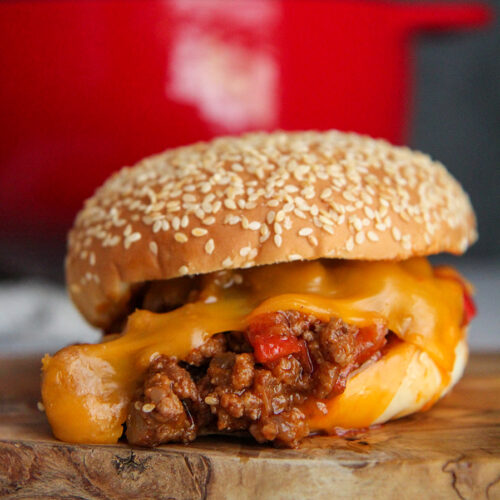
(87, 388)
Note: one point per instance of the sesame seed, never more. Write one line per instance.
(208, 221)
(357, 223)
(313, 240)
(154, 356)
(264, 237)
(322, 407)
(40, 406)
(396, 233)
(157, 226)
(360, 237)
(173, 206)
(245, 251)
(299, 213)
(189, 197)
(232, 219)
(199, 231)
(183, 270)
(153, 246)
(227, 262)
(372, 236)
(254, 225)
(366, 197)
(205, 187)
(148, 407)
(180, 237)
(228, 203)
(327, 193)
(406, 242)
(369, 212)
(131, 238)
(209, 246)
(278, 240)
(348, 196)
(349, 245)
(305, 231)
(308, 193)
(114, 240)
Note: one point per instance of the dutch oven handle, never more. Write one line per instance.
(444, 16)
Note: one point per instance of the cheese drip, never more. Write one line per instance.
(87, 388)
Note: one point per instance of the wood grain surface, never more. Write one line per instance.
(451, 451)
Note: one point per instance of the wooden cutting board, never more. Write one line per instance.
(451, 451)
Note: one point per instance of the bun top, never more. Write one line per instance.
(260, 199)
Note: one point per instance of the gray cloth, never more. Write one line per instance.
(38, 317)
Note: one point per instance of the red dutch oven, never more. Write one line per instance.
(89, 86)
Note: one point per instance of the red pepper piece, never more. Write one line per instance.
(272, 347)
(271, 338)
(470, 309)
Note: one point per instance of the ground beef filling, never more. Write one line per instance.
(251, 381)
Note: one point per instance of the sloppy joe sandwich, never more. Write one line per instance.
(272, 284)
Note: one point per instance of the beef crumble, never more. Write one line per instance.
(251, 381)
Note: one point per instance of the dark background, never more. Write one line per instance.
(456, 119)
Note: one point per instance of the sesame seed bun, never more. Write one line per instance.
(260, 199)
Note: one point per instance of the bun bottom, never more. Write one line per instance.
(406, 380)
